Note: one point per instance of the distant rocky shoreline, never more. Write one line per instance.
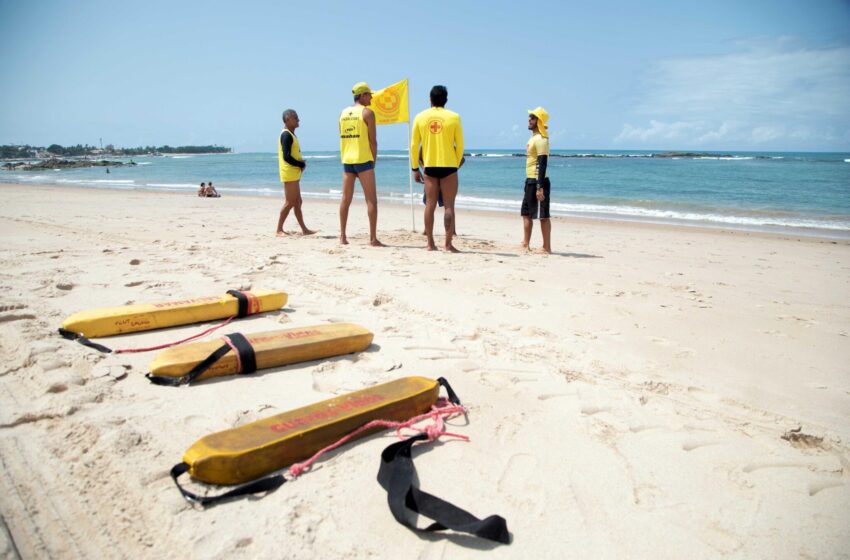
(56, 163)
(598, 155)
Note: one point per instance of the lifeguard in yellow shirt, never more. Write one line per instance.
(358, 149)
(438, 131)
(535, 202)
(291, 165)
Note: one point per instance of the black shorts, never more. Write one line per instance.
(530, 204)
(358, 167)
(440, 172)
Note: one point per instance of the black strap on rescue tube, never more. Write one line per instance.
(262, 485)
(83, 340)
(246, 352)
(243, 302)
(453, 398)
(246, 357)
(397, 475)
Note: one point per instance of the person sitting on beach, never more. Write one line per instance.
(211, 192)
(291, 165)
(358, 149)
(438, 131)
(203, 190)
(535, 202)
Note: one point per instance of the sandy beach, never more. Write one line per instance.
(646, 391)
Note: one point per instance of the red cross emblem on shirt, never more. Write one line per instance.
(435, 127)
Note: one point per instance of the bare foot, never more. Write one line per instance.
(343, 240)
(544, 251)
(431, 247)
(376, 243)
(281, 233)
(451, 249)
(307, 232)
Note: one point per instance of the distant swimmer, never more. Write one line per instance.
(439, 134)
(291, 165)
(358, 147)
(535, 202)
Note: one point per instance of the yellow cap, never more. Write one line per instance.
(360, 87)
(542, 119)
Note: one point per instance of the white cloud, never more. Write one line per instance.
(765, 94)
(658, 130)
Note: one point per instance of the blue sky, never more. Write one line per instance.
(723, 75)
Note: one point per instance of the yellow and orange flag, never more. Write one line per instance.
(390, 104)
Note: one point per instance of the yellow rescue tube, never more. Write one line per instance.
(108, 321)
(272, 348)
(248, 452)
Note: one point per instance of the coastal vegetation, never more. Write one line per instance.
(84, 150)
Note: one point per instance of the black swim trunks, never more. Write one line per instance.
(440, 172)
(358, 167)
(530, 204)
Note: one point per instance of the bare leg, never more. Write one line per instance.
(367, 181)
(527, 226)
(345, 204)
(300, 217)
(448, 186)
(292, 192)
(432, 189)
(288, 204)
(546, 228)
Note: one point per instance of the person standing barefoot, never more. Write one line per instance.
(291, 165)
(358, 148)
(535, 202)
(439, 133)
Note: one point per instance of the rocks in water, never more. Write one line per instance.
(56, 163)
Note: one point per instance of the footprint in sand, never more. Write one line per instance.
(6, 317)
(820, 485)
(775, 465)
(590, 410)
(522, 490)
(201, 423)
(691, 444)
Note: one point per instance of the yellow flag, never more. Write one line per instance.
(390, 104)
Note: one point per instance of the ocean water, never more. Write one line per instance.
(806, 193)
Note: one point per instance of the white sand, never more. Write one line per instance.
(628, 395)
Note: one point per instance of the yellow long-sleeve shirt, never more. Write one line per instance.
(439, 132)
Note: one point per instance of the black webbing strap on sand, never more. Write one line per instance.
(397, 476)
(262, 485)
(246, 357)
(83, 340)
(243, 302)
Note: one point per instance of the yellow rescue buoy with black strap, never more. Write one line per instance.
(245, 453)
(109, 321)
(248, 353)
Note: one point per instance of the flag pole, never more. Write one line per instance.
(409, 174)
(410, 180)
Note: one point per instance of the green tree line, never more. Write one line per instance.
(27, 151)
